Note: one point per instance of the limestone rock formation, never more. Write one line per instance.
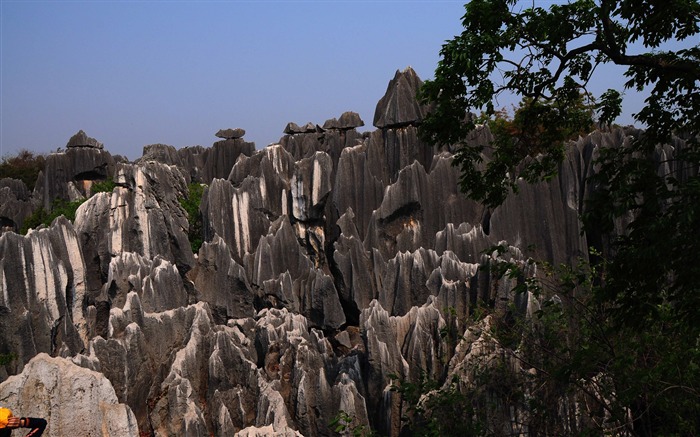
(162, 153)
(399, 106)
(42, 288)
(293, 128)
(329, 264)
(72, 399)
(16, 204)
(82, 140)
(230, 134)
(68, 175)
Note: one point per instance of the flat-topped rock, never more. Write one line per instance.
(349, 120)
(293, 128)
(231, 134)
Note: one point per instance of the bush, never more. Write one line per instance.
(42, 217)
(191, 206)
(24, 166)
(105, 186)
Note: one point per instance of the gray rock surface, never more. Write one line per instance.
(81, 139)
(16, 204)
(231, 134)
(68, 175)
(162, 153)
(329, 262)
(72, 399)
(399, 107)
(42, 288)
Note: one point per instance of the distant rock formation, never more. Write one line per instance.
(82, 140)
(69, 175)
(329, 262)
(231, 134)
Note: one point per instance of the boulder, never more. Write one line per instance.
(72, 399)
(350, 120)
(230, 134)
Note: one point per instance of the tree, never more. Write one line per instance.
(25, 166)
(549, 56)
(646, 295)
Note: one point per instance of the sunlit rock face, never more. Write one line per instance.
(73, 400)
(142, 215)
(330, 262)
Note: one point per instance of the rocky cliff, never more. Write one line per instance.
(332, 262)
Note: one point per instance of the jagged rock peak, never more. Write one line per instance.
(399, 106)
(349, 120)
(82, 140)
(231, 134)
(293, 128)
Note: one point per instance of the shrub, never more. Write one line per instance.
(42, 217)
(25, 166)
(191, 206)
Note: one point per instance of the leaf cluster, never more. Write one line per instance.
(434, 410)
(548, 57)
(345, 424)
(6, 359)
(638, 379)
(59, 207)
(191, 204)
(25, 166)
(105, 186)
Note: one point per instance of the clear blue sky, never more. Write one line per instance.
(132, 73)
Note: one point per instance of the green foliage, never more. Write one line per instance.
(624, 330)
(191, 205)
(639, 381)
(105, 186)
(431, 410)
(6, 359)
(59, 207)
(345, 424)
(24, 166)
(548, 57)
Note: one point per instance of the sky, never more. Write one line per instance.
(133, 73)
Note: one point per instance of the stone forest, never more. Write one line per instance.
(290, 290)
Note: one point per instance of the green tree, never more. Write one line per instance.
(643, 333)
(25, 166)
(549, 56)
(191, 204)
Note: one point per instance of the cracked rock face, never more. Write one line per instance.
(329, 262)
